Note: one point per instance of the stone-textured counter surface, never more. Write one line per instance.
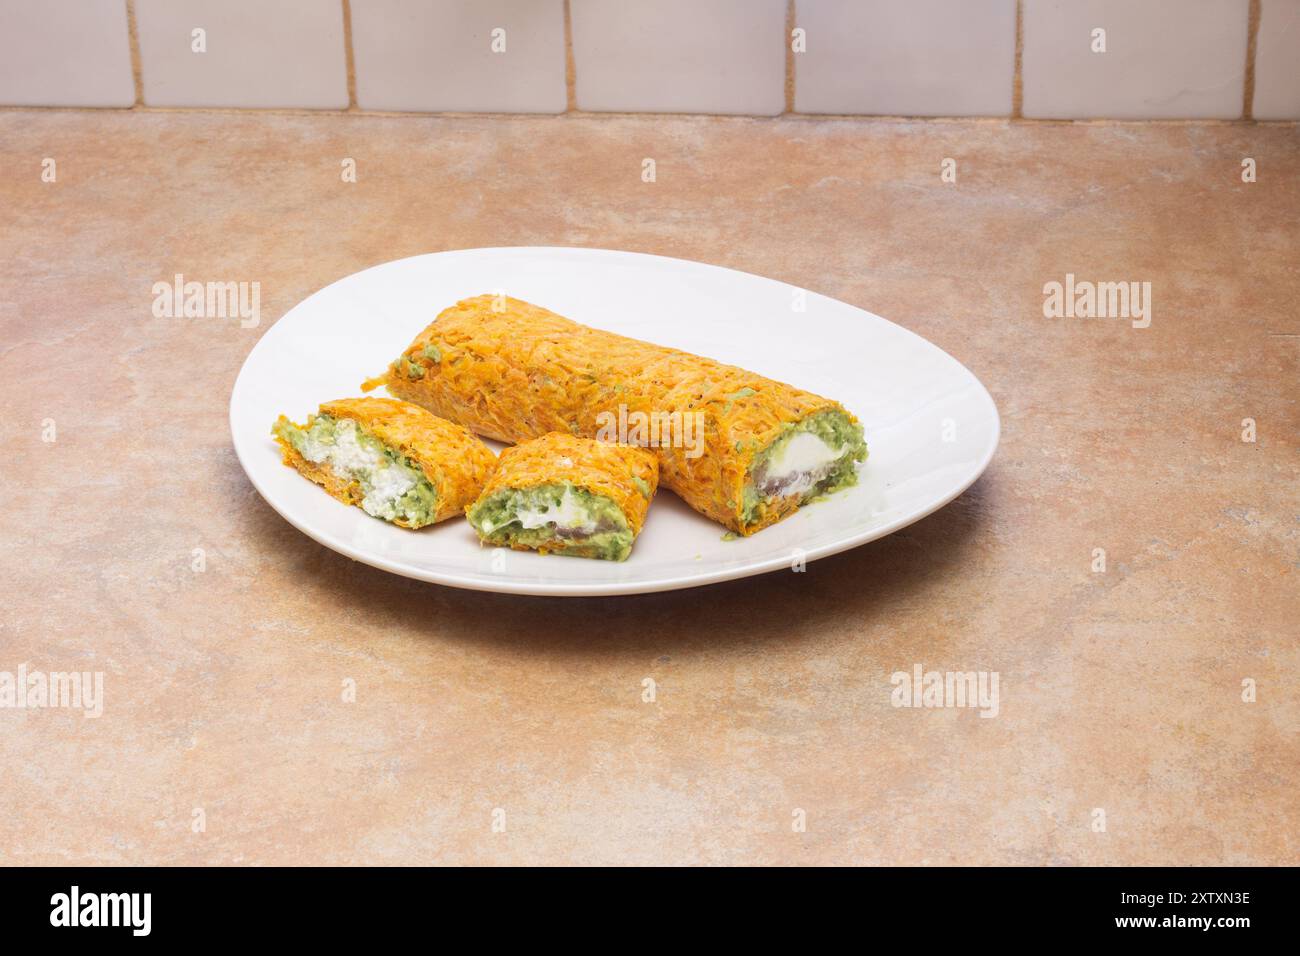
(1120, 691)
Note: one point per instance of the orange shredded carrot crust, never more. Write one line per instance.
(517, 371)
(602, 468)
(455, 461)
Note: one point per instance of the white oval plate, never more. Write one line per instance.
(904, 390)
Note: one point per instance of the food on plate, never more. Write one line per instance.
(560, 494)
(392, 459)
(739, 448)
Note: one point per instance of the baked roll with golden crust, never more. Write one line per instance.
(392, 459)
(742, 449)
(560, 494)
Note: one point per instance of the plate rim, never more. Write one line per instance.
(477, 582)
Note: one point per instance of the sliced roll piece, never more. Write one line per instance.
(560, 494)
(744, 450)
(393, 460)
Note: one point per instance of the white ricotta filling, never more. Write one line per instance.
(803, 461)
(384, 481)
(569, 513)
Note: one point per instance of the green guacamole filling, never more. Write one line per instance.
(393, 486)
(559, 517)
(763, 484)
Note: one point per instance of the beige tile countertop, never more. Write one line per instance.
(1122, 735)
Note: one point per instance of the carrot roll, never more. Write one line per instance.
(393, 460)
(742, 449)
(566, 495)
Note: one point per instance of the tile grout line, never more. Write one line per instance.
(137, 69)
(1018, 71)
(570, 69)
(306, 111)
(1252, 41)
(349, 58)
(789, 56)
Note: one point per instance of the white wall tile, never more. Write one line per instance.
(1277, 61)
(1164, 59)
(436, 55)
(260, 53)
(915, 58)
(680, 56)
(65, 53)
